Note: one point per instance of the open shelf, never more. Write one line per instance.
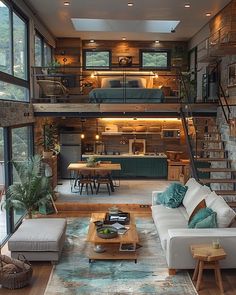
(128, 133)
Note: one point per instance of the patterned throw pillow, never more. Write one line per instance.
(173, 196)
(198, 220)
(199, 206)
(115, 83)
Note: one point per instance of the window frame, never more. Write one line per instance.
(168, 65)
(10, 78)
(85, 67)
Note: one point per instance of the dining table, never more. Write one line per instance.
(80, 167)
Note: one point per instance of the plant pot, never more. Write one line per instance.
(47, 155)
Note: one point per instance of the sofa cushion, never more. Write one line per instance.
(195, 197)
(225, 214)
(193, 186)
(168, 218)
(200, 216)
(173, 196)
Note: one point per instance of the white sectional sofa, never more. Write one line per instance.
(176, 237)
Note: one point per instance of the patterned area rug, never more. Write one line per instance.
(74, 275)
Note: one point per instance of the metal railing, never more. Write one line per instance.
(224, 104)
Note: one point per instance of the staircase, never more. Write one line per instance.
(211, 158)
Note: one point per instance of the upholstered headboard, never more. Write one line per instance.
(144, 79)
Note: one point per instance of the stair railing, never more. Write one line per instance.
(189, 144)
(224, 104)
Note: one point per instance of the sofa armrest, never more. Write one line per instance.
(178, 252)
(154, 197)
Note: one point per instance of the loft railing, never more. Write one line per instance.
(224, 36)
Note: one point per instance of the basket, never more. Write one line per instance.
(19, 279)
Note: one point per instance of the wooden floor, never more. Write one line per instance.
(42, 270)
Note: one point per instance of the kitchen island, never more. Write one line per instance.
(137, 166)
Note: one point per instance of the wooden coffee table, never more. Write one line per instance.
(112, 246)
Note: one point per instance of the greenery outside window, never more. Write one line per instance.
(96, 59)
(155, 59)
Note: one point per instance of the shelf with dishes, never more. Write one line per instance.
(128, 133)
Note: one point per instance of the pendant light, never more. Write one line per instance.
(97, 134)
(82, 136)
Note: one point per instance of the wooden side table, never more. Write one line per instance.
(207, 258)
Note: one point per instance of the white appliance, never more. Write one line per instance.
(70, 151)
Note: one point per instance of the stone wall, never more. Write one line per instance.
(15, 113)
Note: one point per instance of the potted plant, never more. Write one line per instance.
(49, 140)
(32, 188)
(91, 161)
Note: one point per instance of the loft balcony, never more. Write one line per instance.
(221, 43)
(68, 91)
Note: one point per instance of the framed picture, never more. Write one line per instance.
(232, 75)
(125, 61)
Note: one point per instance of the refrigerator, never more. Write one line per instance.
(70, 151)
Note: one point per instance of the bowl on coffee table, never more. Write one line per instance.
(107, 232)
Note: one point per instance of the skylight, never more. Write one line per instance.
(109, 25)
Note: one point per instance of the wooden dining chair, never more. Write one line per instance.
(87, 179)
(77, 175)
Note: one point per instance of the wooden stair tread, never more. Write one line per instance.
(216, 170)
(211, 140)
(217, 180)
(225, 192)
(210, 150)
(212, 159)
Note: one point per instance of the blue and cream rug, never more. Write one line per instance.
(73, 275)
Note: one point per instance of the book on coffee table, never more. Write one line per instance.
(128, 247)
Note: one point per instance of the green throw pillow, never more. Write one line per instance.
(209, 222)
(199, 221)
(173, 196)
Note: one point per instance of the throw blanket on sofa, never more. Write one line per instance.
(131, 95)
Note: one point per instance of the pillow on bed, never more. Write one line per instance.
(115, 84)
(133, 84)
(105, 82)
(142, 82)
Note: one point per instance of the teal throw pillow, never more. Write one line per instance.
(209, 222)
(173, 196)
(198, 219)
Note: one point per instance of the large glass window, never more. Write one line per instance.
(19, 47)
(42, 51)
(3, 216)
(38, 51)
(155, 59)
(5, 39)
(21, 150)
(14, 84)
(99, 59)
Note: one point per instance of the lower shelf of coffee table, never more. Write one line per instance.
(112, 253)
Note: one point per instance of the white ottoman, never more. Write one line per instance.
(39, 239)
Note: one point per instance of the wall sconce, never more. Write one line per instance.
(156, 76)
(82, 136)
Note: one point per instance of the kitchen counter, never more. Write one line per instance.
(159, 155)
(137, 166)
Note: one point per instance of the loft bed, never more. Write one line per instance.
(129, 87)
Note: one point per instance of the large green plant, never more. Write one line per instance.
(50, 136)
(32, 189)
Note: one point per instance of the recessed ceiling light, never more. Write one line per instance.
(130, 4)
(123, 38)
(187, 5)
(66, 3)
(91, 41)
(157, 41)
(208, 14)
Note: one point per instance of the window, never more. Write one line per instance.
(158, 59)
(5, 39)
(97, 59)
(14, 84)
(3, 215)
(42, 51)
(21, 150)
